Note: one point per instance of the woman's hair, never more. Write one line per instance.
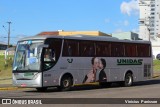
(103, 62)
(92, 61)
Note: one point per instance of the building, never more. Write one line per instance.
(64, 33)
(149, 21)
(126, 35)
(3, 46)
(93, 33)
(51, 33)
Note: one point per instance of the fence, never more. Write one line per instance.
(2, 52)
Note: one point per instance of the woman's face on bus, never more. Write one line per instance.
(100, 65)
(96, 63)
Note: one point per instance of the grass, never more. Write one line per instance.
(156, 66)
(5, 67)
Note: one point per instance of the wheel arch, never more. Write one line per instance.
(66, 74)
(128, 71)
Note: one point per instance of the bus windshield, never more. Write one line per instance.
(27, 55)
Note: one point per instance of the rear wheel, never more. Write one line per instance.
(66, 83)
(128, 80)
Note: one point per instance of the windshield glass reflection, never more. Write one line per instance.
(27, 56)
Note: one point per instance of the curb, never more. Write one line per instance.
(86, 84)
(156, 76)
(5, 78)
(11, 88)
(8, 88)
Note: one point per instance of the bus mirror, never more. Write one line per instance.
(40, 47)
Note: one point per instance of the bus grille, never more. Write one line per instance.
(147, 70)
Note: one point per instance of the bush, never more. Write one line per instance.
(5, 64)
(8, 63)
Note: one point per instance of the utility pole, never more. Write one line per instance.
(9, 23)
(148, 27)
(149, 36)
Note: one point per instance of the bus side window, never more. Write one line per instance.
(102, 49)
(117, 49)
(69, 50)
(49, 55)
(130, 50)
(87, 49)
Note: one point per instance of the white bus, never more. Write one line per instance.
(63, 61)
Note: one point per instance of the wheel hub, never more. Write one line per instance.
(65, 83)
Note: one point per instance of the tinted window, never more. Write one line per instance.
(117, 49)
(87, 49)
(70, 48)
(130, 50)
(52, 53)
(102, 49)
(143, 50)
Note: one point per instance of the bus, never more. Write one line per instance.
(63, 61)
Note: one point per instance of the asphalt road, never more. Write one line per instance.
(149, 89)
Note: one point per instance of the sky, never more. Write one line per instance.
(30, 17)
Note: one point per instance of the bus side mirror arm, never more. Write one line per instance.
(40, 47)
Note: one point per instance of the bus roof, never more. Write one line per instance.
(85, 37)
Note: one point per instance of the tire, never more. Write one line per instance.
(158, 57)
(42, 89)
(105, 84)
(66, 83)
(128, 80)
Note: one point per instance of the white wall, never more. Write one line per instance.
(156, 50)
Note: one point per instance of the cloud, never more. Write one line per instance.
(130, 7)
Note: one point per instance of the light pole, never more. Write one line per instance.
(9, 23)
(149, 36)
(148, 25)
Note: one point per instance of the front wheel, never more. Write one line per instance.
(128, 80)
(66, 83)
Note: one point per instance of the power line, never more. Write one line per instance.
(4, 28)
(10, 37)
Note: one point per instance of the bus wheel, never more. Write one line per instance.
(128, 80)
(42, 89)
(66, 83)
